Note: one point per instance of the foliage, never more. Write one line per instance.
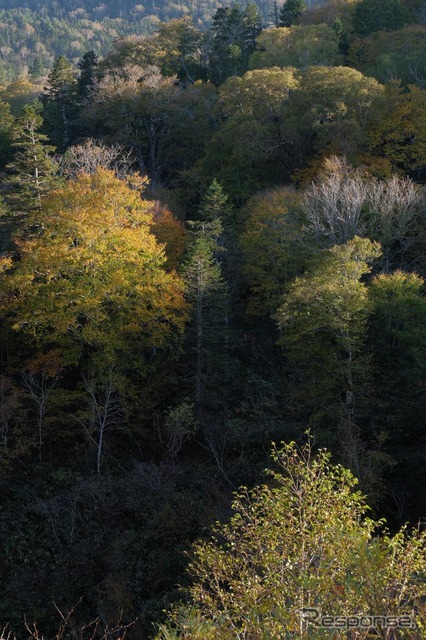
(373, 15)
(291, 12)
(32, 170)
(304, 541)
(97, 256)
(296, 46)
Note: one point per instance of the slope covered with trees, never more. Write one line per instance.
(211, 240)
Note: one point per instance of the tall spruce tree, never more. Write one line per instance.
(233, 39)
(207, 291)
(60, 102)
(32, 173)
(291, 12)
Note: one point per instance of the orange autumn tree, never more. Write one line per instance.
(92, 281)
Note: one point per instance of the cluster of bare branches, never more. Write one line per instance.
(92, 155)
(344, 203)
(68, 630)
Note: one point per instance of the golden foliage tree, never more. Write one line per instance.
(93, 279)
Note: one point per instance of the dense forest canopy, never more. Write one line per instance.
(212, 238)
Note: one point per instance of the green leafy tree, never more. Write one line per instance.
(396, 133)
(6, 133)
(249, 150)
(296, 46)
(272, 252)
(302, 542)
(323, 321)
(291, 12)
(397, 338)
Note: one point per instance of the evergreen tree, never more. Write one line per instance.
(207, 290)
(291, 12)
(6, 133)
(88, 67)
(60, 102)
(376, 15)
(233, 39)
(32, 171)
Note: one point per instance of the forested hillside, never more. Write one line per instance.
(33, 33)
(213, 240)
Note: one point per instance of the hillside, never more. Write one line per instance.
(34, 32)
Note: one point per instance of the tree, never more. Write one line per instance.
(296, 46)
(392, 55)
(298, 547)
(93, 283)
(291, 12)
(105, 410)
(88, 67)
(323, 321)
(182, 51)
(374, 15)
(343, 202)
(6, 133)
(396, 134)
(92, 155)
(397, 339)
(59, 99)
(206, 291)
(249, 151)
(32, 171)
(341, 104)
(169, 232)
(272, 252)
(233, 38)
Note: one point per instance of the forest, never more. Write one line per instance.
(213, 320)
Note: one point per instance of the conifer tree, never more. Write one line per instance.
(60, 102)
(291, 12)
(88, 73)
(6, 132)
(32, 171)
(208, 293)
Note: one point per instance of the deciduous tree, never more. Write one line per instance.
(93, 282)
(303, 541)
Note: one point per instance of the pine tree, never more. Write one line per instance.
(88, 67)
(291, 12)
(6, 132)
(60, 102)
(32, 173)
(234, 33)
(207, 291)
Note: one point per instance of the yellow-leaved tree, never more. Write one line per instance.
(92, 279)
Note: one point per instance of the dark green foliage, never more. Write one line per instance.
(32, 171)
(60, 103)
(233, 39)
(379, 15)
(291, 12)
(6, 133)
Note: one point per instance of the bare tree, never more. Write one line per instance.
(105, 411)
(92, 155)
(343, 202)
(39, 387)
(10, 401)
(333, 206)
(395, 202)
